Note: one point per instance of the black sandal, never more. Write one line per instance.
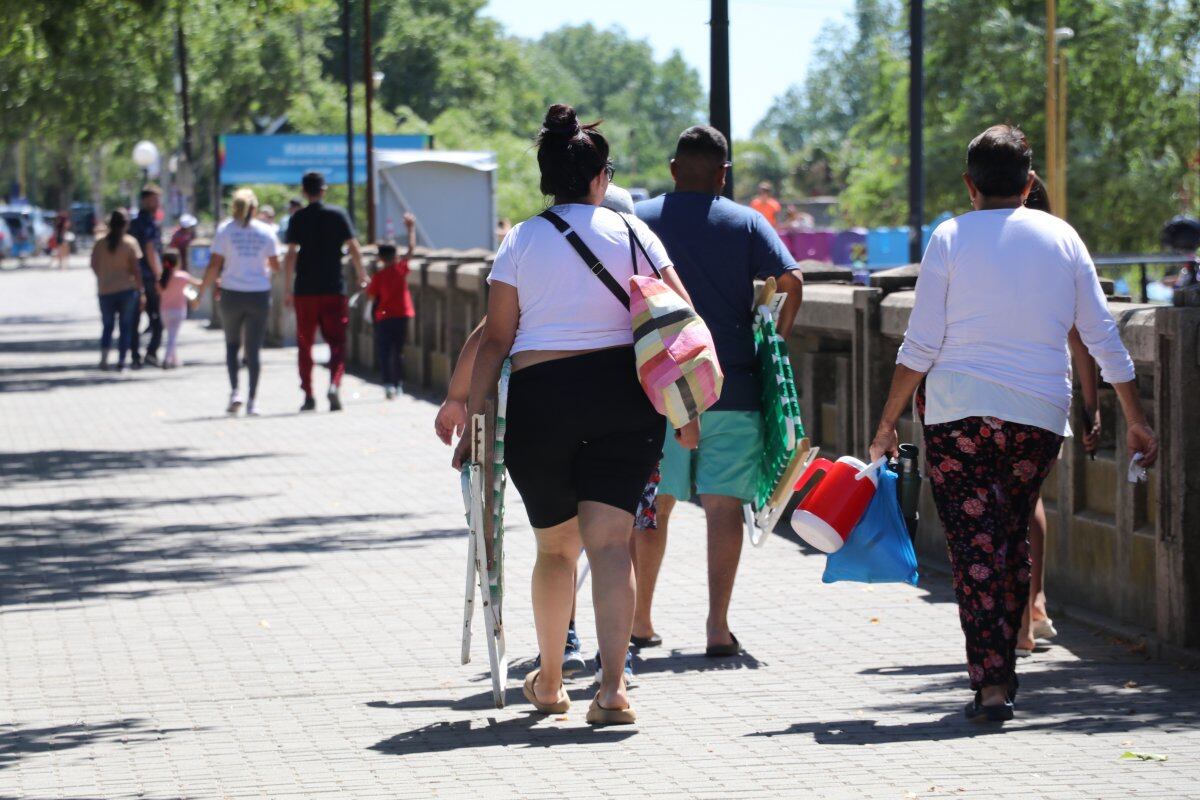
(724, 650)
(976, 711)
(640, 642)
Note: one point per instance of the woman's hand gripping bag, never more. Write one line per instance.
(676, 358)
(879, 549)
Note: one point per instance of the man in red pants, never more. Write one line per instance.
(315, 237)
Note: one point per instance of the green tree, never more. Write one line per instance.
(1134, 86)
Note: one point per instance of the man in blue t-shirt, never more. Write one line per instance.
(718, 248)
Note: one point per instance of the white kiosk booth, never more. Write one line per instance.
(451, 193)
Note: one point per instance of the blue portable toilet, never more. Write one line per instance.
(927, 230)
(887, 247)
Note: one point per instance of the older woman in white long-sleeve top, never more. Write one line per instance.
(998, 292)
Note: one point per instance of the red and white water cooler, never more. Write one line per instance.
(836, 495)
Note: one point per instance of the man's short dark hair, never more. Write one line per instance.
(313, 183)
(703, 141)
(151, 190)
(999, 160)
(295, 202)
(387, 252)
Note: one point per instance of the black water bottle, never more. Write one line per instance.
(908, 487)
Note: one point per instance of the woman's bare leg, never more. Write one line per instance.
(1036, 607)
(605, 531)
(648, 549)
(553, 586)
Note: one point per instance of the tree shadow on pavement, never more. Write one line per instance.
(1081, 697)
(69, 559)
(52, 345)
(43, 465)
(523, 731)
(17, 742)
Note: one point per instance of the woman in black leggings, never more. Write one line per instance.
(245, 253)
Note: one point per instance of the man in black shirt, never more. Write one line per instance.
(315, 236)
(146, 230)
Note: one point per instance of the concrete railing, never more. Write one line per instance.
(1127, 553)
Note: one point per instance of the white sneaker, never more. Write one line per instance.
(390, 392)
(252, 408)
(235, 403)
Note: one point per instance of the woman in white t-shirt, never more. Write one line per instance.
(245, 252)
(999, 290)
(581, 436)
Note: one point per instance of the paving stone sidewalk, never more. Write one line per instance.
(193, 606)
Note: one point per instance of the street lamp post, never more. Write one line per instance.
(369, 85)
(916, 128)
(349, 109)
(1059, 203)
(718, 92)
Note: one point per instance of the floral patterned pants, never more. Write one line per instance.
(985, 474)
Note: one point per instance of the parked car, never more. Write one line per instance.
(6, 242)
(30, 233)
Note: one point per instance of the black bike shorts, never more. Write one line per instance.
(580, 428)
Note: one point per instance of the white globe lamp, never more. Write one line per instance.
(145, 153)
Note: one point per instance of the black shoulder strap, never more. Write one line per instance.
(587, 255)
(633, 239)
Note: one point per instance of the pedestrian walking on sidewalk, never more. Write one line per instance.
(1036, 623)
(118, 285)
(997, 294)
(245, 253)
(582, 437)
(62, 238)
(315, 285)
(719, 248)
(146, 230)
(178, 287)
(393, 309)
(451, 420)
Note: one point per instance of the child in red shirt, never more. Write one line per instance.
(393, 309)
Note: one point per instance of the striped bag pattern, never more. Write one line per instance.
(676, 357)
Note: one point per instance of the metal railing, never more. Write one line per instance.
(1118, 263)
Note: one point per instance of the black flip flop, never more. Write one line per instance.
(641, 642)
(724, 650)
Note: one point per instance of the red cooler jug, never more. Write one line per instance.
(836, 495)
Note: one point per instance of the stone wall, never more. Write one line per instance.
(1128, 553)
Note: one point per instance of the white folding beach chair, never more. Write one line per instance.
(483, 483)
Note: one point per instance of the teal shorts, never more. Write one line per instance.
(726, 462)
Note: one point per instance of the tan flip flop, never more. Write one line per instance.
(559, 706)
(599, 715)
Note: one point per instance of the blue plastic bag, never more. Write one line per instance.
(878, 550)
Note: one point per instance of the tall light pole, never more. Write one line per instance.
(718, 93)
(349, 110)
(1052, 178)
(916, 128)
(1059, 194)
(369, 87)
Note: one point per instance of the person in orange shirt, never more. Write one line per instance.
(393, 309)
(765, 204)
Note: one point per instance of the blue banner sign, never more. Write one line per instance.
(283, 158)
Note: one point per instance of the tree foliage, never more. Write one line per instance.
(1133, 95)
(448, 70)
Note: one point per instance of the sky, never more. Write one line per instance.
(770, 41)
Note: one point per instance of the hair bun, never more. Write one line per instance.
(561, 119)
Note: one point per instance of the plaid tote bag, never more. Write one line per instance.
(676, 358)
